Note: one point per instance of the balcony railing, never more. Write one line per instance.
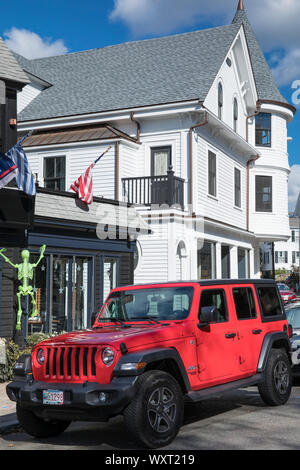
(149, 190)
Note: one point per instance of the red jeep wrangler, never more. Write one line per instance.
(152, 347)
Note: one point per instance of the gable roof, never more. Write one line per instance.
(9, 67)
(265, 83)
(142, 73)
(157, 71)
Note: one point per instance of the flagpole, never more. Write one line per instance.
(23, 138)
(97, 159)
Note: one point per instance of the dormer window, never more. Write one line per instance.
(220, 101)
(263, 130)
(235, 114)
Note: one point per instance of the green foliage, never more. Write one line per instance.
(13, 352)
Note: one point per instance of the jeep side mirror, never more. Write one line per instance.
(208, 315)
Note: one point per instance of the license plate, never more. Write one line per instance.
(53, 397)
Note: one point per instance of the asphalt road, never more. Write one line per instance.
(235, 421)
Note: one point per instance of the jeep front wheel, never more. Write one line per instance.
(276, 388)
(155, 415)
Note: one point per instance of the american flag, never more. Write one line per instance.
(83, 186)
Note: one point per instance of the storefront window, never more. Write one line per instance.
(80, 293)
(207, 261)
(60, 290)
(110, 275)
(39, 283)
(225, 255)
(242, 263)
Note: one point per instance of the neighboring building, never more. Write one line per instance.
(198, 130)
(286, 253)
(81, 265)
(78, 270)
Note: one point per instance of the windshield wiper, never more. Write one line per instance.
(147, 319)
(116, 320)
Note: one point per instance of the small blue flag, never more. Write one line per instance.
(24, 177)
(8, 170)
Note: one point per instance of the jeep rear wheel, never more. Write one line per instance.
(155, 415)
(276, 387)
(39, 427)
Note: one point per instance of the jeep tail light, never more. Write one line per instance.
(290, 331)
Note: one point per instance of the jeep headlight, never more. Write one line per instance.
(40, 356)
(108, 356)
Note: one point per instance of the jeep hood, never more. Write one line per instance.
(114, 335)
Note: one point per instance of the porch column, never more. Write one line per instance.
(234, 262)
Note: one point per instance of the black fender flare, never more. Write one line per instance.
(269, 340)
(149, 357)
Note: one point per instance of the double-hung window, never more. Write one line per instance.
(263, 130)
(55, 173)
(263, 195)
(237, 188)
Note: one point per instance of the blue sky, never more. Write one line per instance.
(50, 27)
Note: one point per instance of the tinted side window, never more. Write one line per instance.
(269, 301)
(215, 298)
(244, 303)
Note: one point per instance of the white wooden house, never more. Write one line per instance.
(198, 130)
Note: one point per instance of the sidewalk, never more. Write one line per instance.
(8, 417)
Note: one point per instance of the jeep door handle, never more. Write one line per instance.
(256, 332)
(230, 335)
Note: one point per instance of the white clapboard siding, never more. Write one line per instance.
(222, 207)
(103, 172)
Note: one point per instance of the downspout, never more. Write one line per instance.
(258, 110)
(138, 131)
(117, 170)
(192, 128)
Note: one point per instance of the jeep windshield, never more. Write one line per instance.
(153, 305)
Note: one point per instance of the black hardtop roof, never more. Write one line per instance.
(209, 282)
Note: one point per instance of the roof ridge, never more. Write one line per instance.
(140, 41)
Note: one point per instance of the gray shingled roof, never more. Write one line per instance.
(265, 83)
(9, 67)
(154, 71)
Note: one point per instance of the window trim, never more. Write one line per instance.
(274, 317)
(235, 114)
(251, 289)
(154, 149)
(211, 153)
(103, 256)
(269, 145)
(240, 188)
(214, 288)
(220, 100)
(272, 202)
(54, 157)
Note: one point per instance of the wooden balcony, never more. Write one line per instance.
(154, 190)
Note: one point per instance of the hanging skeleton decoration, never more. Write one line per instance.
(25, 274)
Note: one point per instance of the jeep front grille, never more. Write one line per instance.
(70, 363)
